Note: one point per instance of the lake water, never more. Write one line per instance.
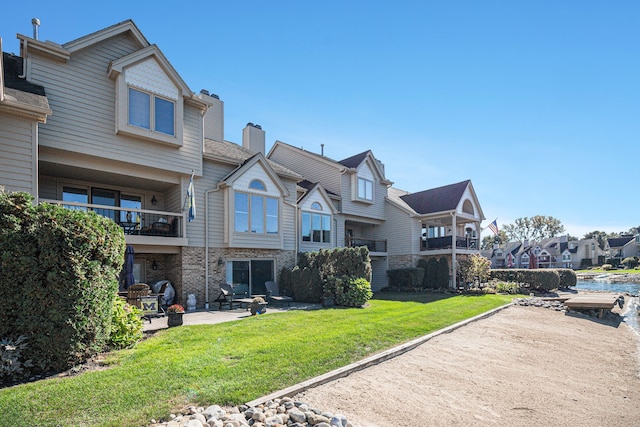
(602, 285)
(631, 315)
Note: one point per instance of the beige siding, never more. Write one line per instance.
(18, 154)
(82, 99)
(367, 210)
(310, 167)
(378, 273)
(402, 232)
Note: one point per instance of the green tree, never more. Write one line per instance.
(488, 241)
(600, 236)
(474, 267)
(535, 228)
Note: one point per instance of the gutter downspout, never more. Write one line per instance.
(206, 246)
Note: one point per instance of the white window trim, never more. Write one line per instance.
(264, 213)
(357, 190)
(123, 127)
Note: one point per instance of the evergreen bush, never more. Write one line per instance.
(568, 278)
(58, 280)
(430, 280)
(353, 292)
(546, 279)
(406, 279)
(442, 273)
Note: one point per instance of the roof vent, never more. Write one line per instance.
(36, 23)
(204, 91)
(257, 126)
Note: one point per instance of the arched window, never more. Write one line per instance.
(256, 184)
(467, 207)
(316, 206)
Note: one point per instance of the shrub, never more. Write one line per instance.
(606, 267)
(404, 279)
(12, 360)
(352, 291)
(474, 268)
(630, 262)
(126, 327)
(507, 288)
(546, 279)
(442, 273)
(66, 264)
(309, 276)
(568, 278)
(431, 274)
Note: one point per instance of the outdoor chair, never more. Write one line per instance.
(273, 293)
(135, 294)
(227, 296)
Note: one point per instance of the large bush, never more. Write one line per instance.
(546, 279)
(58, 280)
(308, 278)
(348, 291)
(442, 273)
(405, 279)
(568, 278)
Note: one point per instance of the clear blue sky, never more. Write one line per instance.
(537, 102)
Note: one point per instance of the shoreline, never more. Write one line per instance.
(522, 366)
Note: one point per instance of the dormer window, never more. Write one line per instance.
(499, 254)
(536, 251)
(146, 108)
(316, 206)
(365, 189)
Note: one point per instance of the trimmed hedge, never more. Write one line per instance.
(404, 279)
(568, 278)
(546, 279)
(307, 280)
(58, 280)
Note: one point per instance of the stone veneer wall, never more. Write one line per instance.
(192, 274)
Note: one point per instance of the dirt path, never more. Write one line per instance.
(523, 366)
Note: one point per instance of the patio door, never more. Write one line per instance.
(250, 276)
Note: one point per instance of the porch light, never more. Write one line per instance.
(154, 265)
(154, 200)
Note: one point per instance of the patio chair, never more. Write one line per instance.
(227, 296)
(273, 294)
(135, 293)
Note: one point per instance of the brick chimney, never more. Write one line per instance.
(253, 138)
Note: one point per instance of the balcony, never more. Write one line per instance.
(446, 242)
(371, 244)
(137, 222)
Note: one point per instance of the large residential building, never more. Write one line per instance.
(105, 123)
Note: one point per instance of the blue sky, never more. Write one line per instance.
(536, 102)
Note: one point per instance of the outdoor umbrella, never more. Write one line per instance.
(128, 267)
(533, 263)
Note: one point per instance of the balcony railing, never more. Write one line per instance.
(371, 244)
(445, 242)
(141, 222)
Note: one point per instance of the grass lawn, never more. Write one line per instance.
(231, 363)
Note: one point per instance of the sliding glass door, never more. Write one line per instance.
(249, 276)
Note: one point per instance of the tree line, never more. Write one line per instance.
(541, 227)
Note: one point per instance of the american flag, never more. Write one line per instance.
(494, 226)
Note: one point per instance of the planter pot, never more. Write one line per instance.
(174, 319)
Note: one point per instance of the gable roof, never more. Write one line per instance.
(354, 161)
(18, 94)
(439, 199)
(618, 242)
(234, 154)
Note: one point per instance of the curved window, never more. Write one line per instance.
(316, 206)
(467, 207)
(256, 184)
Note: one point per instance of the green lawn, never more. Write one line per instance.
(230, 363)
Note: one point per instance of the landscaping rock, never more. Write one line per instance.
(276, 413)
